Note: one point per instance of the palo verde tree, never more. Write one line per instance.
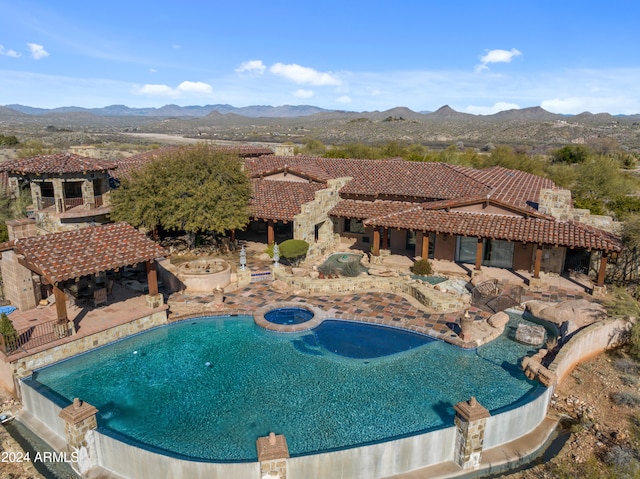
(193, 189)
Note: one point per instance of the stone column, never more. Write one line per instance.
(88, 194)
(470, 422)
(79, 418)
(272, 455)
(154, 298)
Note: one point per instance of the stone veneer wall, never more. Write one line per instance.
(21, 285)
(24, 367)
(316, 213)
(558, 203)
(425, 294)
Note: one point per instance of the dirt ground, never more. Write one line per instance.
(599, 424)
(599, 398)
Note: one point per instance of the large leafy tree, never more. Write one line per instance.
(194, 189)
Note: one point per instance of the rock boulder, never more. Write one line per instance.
(568, 316)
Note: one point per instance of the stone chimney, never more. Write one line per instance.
(22, 228)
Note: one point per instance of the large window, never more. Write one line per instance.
(496, 253)
(352, 225)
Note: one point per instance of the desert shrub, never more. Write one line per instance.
(624, 398)
(422, 267)
(9, 332)
(351, 269)
(629, 379)
(292, 250)
(623, 461)
(328, 269)
(625, 365)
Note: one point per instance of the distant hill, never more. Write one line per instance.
(167, 111)
(533, 127)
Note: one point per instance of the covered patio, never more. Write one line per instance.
(94, 279)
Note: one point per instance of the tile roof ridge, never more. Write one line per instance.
(458, 170)
(395, 213)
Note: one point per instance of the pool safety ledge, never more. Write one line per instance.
(318, 317)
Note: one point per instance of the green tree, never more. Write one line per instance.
(571, 154)
(8, 331)
(194, 189)
(34, 148)
(10, 140)
(598, 180)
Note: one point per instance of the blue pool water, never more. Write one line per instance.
(288, 315)
(208, 388)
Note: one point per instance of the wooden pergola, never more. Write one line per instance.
(70, 255)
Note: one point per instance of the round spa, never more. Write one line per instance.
(204, 275)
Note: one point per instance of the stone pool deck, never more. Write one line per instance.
(374, 307)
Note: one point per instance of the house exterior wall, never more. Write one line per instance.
(523, 256)
(445, 247)
(553, 259)
(398, 240)
(19, 285)
(316, 213)
(482, 208)
(558, 203)
(286, 177)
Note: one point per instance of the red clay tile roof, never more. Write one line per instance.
(56, 164)
(90, 250)
(475, 200)
(126, 165)
(368, 209)
(510, 228)
(280, 200)
(383, 179)
(510, 186)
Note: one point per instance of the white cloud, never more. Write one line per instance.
(9, 53)
(184, 88)
(251, 66)
(157, 90)
(37, 51)
(303, 75)
(497, 56)
(195, 87)
(303, 93)
(576, 105)
(153, 70)
(344, 99)
(490, 110)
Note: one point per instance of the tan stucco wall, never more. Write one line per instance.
(481, 208)
(445, 247)
(522, 256)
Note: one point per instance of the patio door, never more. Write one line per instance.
(495, 253)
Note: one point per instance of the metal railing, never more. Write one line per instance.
(261, 276)
(48, 201)
(34, 336)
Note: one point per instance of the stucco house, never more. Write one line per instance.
(490, 217)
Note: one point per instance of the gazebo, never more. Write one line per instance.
(65, 257)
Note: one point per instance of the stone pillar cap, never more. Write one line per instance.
(77, 412)
(273, 446)
(471, 410)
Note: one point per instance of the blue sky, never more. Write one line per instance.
(476, 56)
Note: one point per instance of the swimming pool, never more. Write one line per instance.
(207, 388)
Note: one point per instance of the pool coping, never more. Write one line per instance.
(318, 317)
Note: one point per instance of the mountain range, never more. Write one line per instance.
(292, 111)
